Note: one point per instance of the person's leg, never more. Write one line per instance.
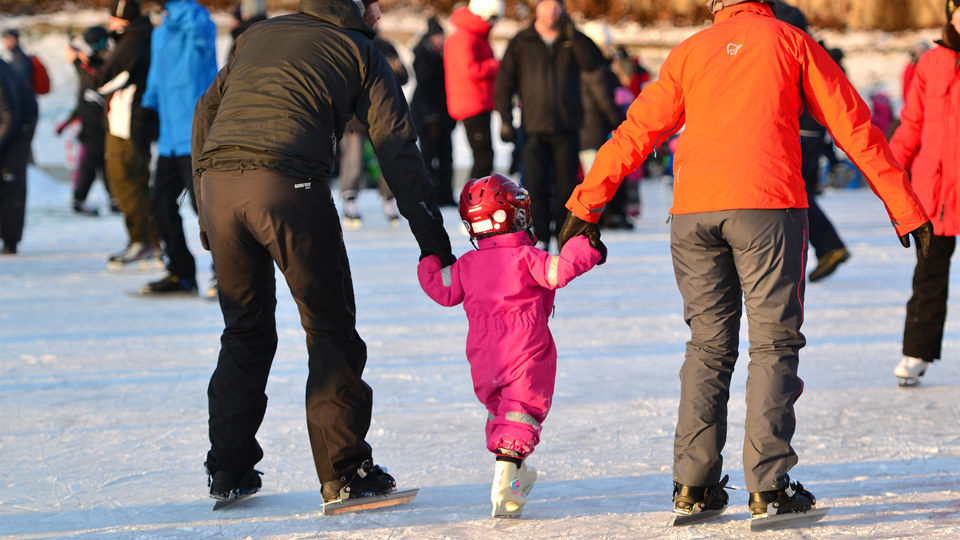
(927, 307)
(536, 164)
(566, 166)
(13, 191)
(236, 393)
(302, 231)
(707, 279)
(128, 175)
(169, 182)
(481, 142)
(771, 265)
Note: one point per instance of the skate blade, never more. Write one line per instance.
(793, 519)
(340, 506)
(907, 382)
(697, 517)
(233, 499)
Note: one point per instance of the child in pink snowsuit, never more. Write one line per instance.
(507, 288)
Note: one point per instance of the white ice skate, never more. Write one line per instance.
(910, 369)
(511, 485)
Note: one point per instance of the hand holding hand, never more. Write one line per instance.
(507, 134)
(574, 226)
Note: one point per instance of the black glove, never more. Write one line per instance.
(574, 226)
(203, 240)
(923, 235)
(507, 133)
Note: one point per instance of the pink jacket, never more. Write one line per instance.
(507, 289)
(469, 66)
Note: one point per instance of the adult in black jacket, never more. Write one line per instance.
(18, 121)
(263, 148)
(429, 107)
(542, 67)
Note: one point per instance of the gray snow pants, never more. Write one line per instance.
(719, 258)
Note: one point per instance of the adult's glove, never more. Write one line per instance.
(574, 226)
(145, 128)
(923, 235)
(507, 133)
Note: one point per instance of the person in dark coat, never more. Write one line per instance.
(131, 130)
(91, 114)
(265, 200)
(542, 67)
(18, 121)
(19, 60)
(429, 108)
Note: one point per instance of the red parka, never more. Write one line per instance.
(739, 87)
(469, 65)
(927, 143)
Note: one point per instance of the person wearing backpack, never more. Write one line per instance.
(30, 68)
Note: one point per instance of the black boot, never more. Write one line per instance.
(224, 485)
(368, 479)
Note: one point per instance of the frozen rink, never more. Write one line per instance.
(103, 401)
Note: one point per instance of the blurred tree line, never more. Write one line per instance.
(888, 15)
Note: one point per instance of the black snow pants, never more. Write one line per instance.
(255, 219)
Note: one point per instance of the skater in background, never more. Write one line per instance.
(130, 132)
(507, 288)
(19, 60)
(18, 121)
(827, 245)
(183, 63)
(92, 116)
(927, 144)
(265, 203)
(429, 108)
(738, 230)
(470, 71)
(547, 58)
(358, 165)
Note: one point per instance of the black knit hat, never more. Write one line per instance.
(433, 27)
(125, 9)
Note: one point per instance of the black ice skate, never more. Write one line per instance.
(368, 487)
(693, 504)
(790, 505)
(227, 487)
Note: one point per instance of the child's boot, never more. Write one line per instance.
(511, 485)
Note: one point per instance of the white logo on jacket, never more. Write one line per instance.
(733, 48)
(302, 185)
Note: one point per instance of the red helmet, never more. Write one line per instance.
(493, 205)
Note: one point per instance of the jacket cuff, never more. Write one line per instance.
(582, 211)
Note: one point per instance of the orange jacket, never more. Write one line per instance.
(740, 86)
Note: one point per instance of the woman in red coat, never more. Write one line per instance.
(927, 144)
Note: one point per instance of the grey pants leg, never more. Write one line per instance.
(719, 258)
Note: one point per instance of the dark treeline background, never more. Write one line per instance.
(889, 15)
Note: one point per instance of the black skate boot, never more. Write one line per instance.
(690, 500)
(225, 486)
(367, 480)
(791, 499)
